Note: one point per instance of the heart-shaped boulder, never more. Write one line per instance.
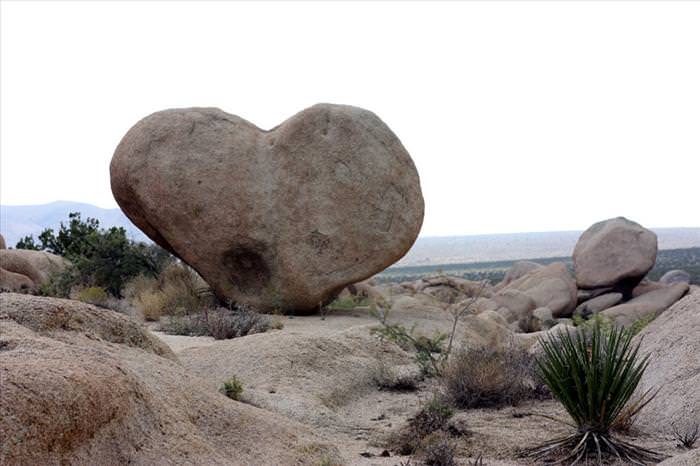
(280, 219)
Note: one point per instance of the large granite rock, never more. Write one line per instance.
(615, 252)
(672, 342)
(654, 302)
(279, 219)
(2, 242)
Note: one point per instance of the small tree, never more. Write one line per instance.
(103, 258)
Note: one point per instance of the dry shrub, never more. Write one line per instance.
(241, 321)
(220, 323)
(438, 449)
(178, 290)
(432, 417)
(391, 378)
(137, 286)
(92, 295)
(152, 304)
(191, 325)
(489, 377)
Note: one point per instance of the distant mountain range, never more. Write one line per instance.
(19, 221)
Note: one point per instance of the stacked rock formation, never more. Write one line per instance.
(280, 219)
(611, 260)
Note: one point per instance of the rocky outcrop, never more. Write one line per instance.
(649, 304)
(516, 308)
(516, 271)
(615, 252)
(672, 341)
(2, 242)
(11, 281)
(551, 286)
(279, 219)
(82, 385)
(34, 266)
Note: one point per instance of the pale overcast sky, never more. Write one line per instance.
(519, 116)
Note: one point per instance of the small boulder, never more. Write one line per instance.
(542, 319)
(654, 302)
(645, 286)
(551, 286)
(598, 304)
(516, 308)
(675, 276)
(11, 281)
(516, 271)
(585, 295)
(615, 252)
(37, 265)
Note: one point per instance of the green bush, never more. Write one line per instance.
(103, 258)
(232, 388)
(429, 352)
(594, 376)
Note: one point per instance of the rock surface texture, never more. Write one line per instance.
(275, 219)
(673, 342)
(615, 252)
(85, 386)
(642, 307)
(23, 269)
(551, 286)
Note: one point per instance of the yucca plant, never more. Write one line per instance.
(593, 373)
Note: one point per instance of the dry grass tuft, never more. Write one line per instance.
(488, 377)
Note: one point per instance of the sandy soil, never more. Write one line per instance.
(352, 412)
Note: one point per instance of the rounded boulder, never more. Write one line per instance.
(280, 219)
(615, 252)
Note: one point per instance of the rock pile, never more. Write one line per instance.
(279, 219)
(611, 260)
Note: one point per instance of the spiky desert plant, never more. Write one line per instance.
(593, 373)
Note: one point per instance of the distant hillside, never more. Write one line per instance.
(687, 259)
(19, 221)
(516, 246)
